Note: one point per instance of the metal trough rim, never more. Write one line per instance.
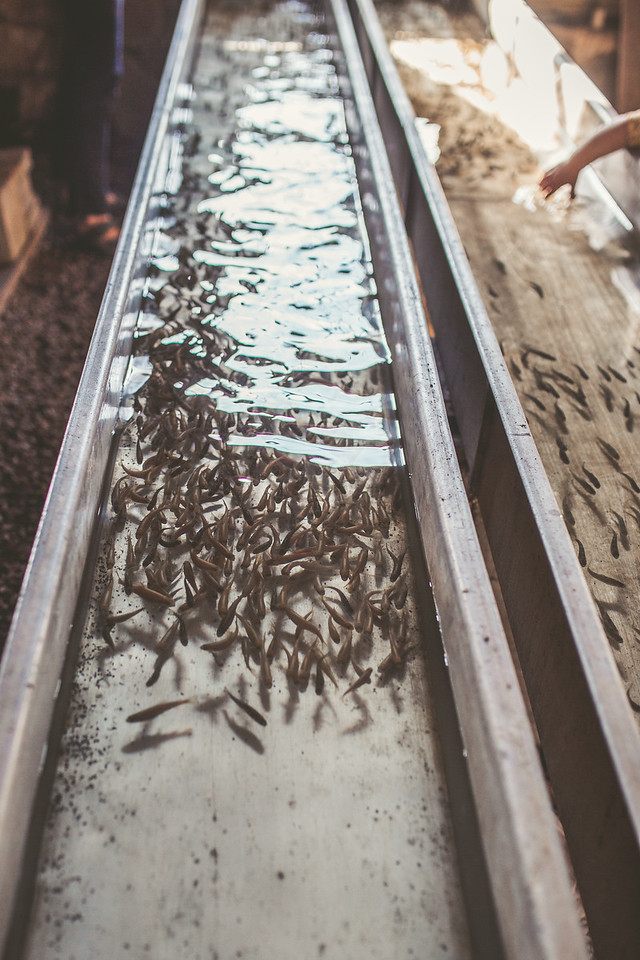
(612, 715)
(536, 910)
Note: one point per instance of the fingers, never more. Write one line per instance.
(557, 177)
(552, 180)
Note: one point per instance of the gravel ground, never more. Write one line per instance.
(46, 329)
(44, 336)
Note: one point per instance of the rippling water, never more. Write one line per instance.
(286, 325)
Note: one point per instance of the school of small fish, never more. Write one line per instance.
(230, 535)
(272, 526)
(583, 413)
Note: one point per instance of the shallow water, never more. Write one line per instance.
(286, 326)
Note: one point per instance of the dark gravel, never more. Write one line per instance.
(46, 329)
(44, 336)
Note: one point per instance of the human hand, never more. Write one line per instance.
(555, 178)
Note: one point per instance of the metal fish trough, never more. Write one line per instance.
(282, 679)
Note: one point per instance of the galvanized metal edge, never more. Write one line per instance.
(536, 910)
(596, 778)
(35, 652)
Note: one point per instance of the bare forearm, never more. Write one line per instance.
(622, 133)
(610, 138)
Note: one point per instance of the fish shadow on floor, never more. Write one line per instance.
(245, 735)
(292, 703)
(211, 706)
(151, 741)
(323, 704)
(365, 716)
(265, 696)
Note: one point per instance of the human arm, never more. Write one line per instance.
(624, 132)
